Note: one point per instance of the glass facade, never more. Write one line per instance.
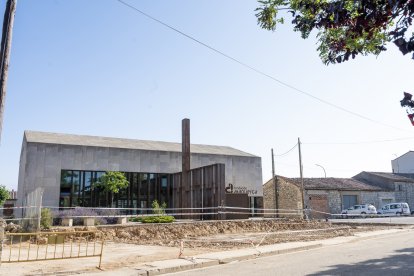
(77, 189)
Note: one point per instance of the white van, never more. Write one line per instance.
(400, 208)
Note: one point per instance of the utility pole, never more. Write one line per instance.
(301, 178)
(275, 185)
(186, 202)
(5, 46)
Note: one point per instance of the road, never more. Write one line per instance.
(386, 255)
(385, 220)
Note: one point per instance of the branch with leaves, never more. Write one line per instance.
(112, 182)
(346, 28)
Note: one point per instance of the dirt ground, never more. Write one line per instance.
(227, 234)
(136, 243)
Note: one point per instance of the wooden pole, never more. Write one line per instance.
(275, 185)
(186, 202)
(301, 178)
(5, 46)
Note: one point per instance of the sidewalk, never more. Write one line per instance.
(217, 258)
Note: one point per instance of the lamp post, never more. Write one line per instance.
(322, 169)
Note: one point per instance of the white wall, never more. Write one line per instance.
(404, 163)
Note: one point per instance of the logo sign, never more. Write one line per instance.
(232, 189)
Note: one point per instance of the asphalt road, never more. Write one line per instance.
(386, 220)
(386, 255)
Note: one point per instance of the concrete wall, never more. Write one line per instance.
(404, 163)
(41, 165)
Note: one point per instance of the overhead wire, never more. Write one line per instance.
(283, 154)
(359, 142)
(255, 69)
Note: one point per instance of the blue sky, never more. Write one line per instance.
(98, 68)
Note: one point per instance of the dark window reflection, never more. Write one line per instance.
(77, 189)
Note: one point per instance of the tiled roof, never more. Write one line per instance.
(331, 183)
(95, 141)
(392, 176)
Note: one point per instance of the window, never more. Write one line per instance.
(77, 189)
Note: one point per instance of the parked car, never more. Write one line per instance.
(396, 209)
(360, 209)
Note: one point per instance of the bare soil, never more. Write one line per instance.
(227, 234)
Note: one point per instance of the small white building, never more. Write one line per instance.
(404, 163)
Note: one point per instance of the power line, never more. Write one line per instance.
(255, 69)
(283, 154)
(360, 142)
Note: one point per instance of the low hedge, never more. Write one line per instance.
(154, 219)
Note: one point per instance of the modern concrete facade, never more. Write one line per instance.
(44, 156)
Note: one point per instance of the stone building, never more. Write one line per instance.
(399, 186)
(289, 197)
(66, 167)
(323, 196)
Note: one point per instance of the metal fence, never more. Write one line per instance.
(40, 246)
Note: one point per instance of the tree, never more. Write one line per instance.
(4, 194)
(345, 28)
(112, 182)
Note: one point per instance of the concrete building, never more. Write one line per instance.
(404, 164)
(66, 166)
(323, 195)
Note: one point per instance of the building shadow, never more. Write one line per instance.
(400, 263)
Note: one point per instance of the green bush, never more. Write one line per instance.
(46, 218)
(153, 219)
(158, 209)
(135, 219)
(158, 219)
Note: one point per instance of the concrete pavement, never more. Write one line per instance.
(391, 254)
(401, 220)
(226, 257)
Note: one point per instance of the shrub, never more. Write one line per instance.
(45, 218)
(4, 194)
(158, 209)
(136, 219)
(157, 219)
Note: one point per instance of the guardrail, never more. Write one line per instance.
(41, 246)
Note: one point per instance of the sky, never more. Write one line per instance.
(100, 68)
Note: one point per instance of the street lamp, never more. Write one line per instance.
(322, 169)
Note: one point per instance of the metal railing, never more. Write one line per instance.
(41, 246)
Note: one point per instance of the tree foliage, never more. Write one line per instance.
(4, 194)
(112, 182)
(345, 28)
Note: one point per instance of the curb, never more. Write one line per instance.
(178, 265)
(171, 266)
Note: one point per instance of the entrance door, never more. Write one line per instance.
(349, 201)
(319, 205)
